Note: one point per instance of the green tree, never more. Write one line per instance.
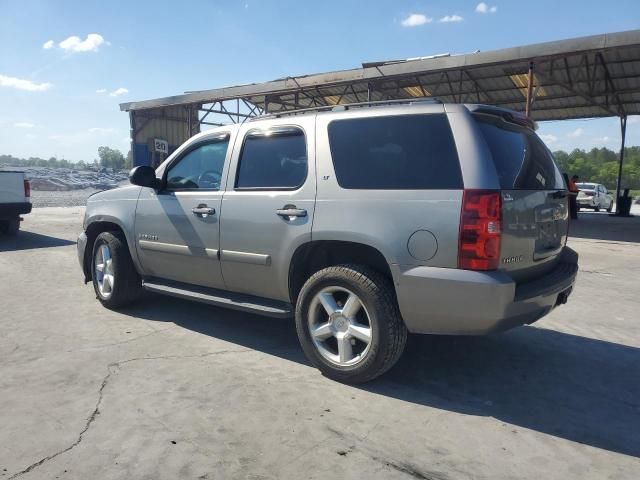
(111, 158)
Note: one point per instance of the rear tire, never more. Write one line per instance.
(610, 208)
(10, 227)
(363, 337)
(115, 279)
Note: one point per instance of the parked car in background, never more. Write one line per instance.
(594, 195)
(15, 200)
(363, 222)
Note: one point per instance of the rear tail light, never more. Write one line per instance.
(27, 189)
(480, 230)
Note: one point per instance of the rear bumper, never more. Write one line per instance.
(12, 210)
(462, 302)
(586, 202)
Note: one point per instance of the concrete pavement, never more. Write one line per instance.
(170, 389)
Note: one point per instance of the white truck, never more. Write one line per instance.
(15, 200)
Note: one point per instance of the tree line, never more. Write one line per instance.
(600, 165)
(107, 158)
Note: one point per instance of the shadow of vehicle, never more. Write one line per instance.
(29, 240)
(572, 387)
(602, 226)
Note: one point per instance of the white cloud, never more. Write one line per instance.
(48, 44)
(416, 19)
(634, 119)
(28, 85)
(604, 139)
(576, 133)
(451, 18)
(118, 92)
(101, 130)
(24, 125)
(549, 138)
(484, 8)
(76, 44)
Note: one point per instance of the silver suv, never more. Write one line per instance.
(365, 222)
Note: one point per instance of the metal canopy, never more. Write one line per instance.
(587, 77)
(596, 76)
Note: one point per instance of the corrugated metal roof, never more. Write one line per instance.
(594, 76)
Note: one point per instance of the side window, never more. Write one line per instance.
(272, 160)
(403, 152)
(200, 168)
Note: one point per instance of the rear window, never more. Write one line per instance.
(586, 186)
(522, 160)
(405, 152)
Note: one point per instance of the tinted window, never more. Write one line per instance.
(521, 159)
(273, 160)
(395, 153)
(201, 168)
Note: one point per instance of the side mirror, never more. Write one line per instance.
(144, 176)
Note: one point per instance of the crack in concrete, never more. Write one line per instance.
(599, 272)
(407, 468)
(111, 369)
(88, 423)
(129, 340)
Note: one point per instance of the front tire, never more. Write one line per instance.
(115, 279)
(349, 324)
(596, 209)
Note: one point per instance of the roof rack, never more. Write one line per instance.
(346, 106)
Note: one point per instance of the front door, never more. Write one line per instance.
(268, 206)
(177, 228)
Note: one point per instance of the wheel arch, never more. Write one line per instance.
(92, 230)
(315, 255)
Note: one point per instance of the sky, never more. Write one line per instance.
(66, 65)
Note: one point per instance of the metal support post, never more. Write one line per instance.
(623, 131)
(529, 90)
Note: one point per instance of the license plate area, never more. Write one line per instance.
(548, 236)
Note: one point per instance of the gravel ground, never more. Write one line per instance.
(72, 198)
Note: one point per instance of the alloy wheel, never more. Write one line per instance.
(340, 326)
(104, 272)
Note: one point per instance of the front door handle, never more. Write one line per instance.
(291, 211)
(203, 210)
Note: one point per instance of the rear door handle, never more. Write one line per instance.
(291, 211)
(203, 210)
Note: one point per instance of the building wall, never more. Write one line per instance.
(169, 123)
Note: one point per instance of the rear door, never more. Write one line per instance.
(268, 205)
(535, 218)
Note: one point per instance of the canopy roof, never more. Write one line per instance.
(596, 76)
